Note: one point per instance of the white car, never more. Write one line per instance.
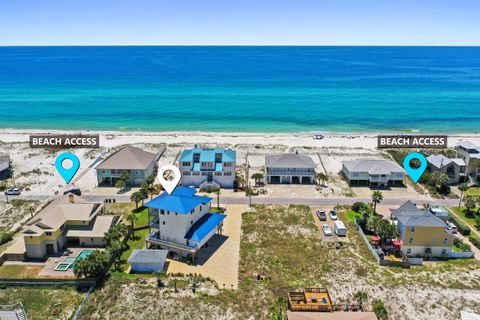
(326, 230)
(13, 192)
(333, 215)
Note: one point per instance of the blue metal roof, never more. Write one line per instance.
(182, 200)
(208, 155)
(204, 226)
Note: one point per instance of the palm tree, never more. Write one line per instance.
(136, 197)
(240, 180)
(470, 204)
(120, 184)
(463, 187)
(132, 218)
(161, 276)
(377, 197)
(218, 198)
(322, 177)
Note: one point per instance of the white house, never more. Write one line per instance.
(208, 167)
(470, 153)
(182, 222)
(373, 172)
(454, 168)
(290, 168)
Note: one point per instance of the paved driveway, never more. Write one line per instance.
(222, 265)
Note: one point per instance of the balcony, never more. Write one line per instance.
(155, 239)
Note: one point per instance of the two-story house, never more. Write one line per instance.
(470, 153)
(454, 168)
(208, 167)
(182, 221)
(422, 234)
(373, 173)
(67, 220)
(290, 168)
(139, 164)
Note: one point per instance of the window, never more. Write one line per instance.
(227, 164)
(444, 251)
(412, 229)
(48, 233)
(163, 222)
(162, 212)
(103, 171)
(176, 214)
(433, 240)
(196, 173)
(186, 164)
(91, 239)
(409, 251)
(410, 240)
(445, 240)
(227, 174)
(191, 222)
(186, 173)
(218, 173)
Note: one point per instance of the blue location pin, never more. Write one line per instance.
(415, 174)
(67, 174)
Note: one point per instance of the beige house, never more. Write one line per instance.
(140, 164)
(69, 219)
(422, 234)
(470, 153)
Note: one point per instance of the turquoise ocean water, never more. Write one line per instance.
(243, 89)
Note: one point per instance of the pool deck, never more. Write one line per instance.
(52, 262)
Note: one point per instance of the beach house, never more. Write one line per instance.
(208, 168)
(470, 153)
(290, 168)
(372, 173)
(68, 220)
(182, 222)
(422, 234)
(454, 168)
(139, 164)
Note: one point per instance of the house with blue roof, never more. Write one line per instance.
(182, 222)
(205, 168)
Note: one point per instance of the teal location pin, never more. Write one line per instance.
(67, 174)
(415, 174)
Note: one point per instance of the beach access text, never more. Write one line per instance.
(412, 141)
(65, 141)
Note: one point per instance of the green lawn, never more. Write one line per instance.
(473, 192)
(351, 215)
(137, 242)
(470, 220)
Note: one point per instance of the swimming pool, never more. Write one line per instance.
(69, 262)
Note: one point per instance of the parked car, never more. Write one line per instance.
(333, 215)
(326, 230)
(13, 192)
(452, 227)
(75, 191)
(340, 229)
(322, 215)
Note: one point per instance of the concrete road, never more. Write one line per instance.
(262, 200)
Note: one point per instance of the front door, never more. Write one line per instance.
(210, 177)
(50, 249)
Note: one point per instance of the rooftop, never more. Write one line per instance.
(129, 158)
(289, 160)
(208, 155)
(440, 161)
(467, 145)
(101, 226)
(148, 256)
(410, 216)
(60, 211)
(182, 200)
(203, 226)
(372, 166)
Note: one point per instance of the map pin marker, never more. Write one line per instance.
(169, 185)
(67, 173)
(415, 174)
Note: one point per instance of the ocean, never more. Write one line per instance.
(241, 89)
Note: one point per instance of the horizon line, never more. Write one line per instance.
(238, 45)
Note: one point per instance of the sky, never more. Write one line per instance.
(239, 22)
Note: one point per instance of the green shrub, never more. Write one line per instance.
(475, 241)
(461, 245)
(462, 227)
(5, 237)
(359, 206)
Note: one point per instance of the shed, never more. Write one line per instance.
(147, 261)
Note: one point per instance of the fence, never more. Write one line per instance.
(461, 255)
(84, 301)
(369, 246)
